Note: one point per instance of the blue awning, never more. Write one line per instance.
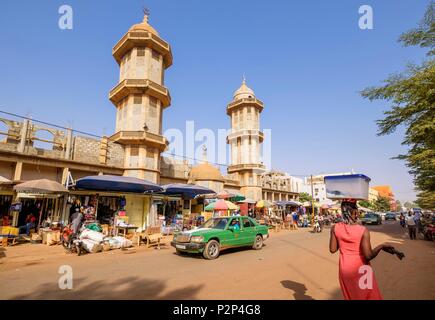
(117, 183)
(187, 191)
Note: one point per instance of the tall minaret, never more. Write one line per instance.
(140, 98)
(245, 140)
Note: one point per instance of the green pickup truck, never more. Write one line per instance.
(221, 233)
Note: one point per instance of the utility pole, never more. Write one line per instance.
(312, 198)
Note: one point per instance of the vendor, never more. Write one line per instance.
(77, 220)
(30, 223)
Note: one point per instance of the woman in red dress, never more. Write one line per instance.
(357, 279)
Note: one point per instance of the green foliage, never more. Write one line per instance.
(412, 98)
(382, 204)
(303, 196)
(409, 205)
(366, 204)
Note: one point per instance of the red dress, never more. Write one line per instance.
(357, 279)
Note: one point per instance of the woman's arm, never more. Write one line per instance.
(333, 244)
(366, 247)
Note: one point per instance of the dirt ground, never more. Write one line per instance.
(292, 265)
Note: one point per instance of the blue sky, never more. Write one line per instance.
(307, 60)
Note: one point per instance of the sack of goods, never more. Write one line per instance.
(125, 243)
(92, 235)
(91, 246)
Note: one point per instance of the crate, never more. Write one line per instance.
(352, 186)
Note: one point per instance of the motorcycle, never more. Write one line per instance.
(429, 232)
(317, 228)
(70, 241)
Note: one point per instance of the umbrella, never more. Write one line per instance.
(248, 200)
(238, 198)
(263, 204)
(117, 183)
(225, 195)
(185, 190)
(221, 205)
(40, 186)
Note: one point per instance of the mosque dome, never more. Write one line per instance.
(205, 172)
(244, 92)
(144, 26)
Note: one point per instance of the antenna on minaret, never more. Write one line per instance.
(146, 13)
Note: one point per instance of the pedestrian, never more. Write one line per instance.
(410, 222)
(417, 219)
(30, 223)
(353, 242)
(77, 220)
(295, 219)
(402, 220)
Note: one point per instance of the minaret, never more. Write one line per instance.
(140, 98)
(245, 140)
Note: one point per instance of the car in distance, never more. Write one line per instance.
(390, 216)
(221, 233)
(371, 218)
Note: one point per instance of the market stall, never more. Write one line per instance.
(190, 205)
(221, 208)
(121, 204)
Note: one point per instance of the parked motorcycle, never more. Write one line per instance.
(70, 241)
(429, 232)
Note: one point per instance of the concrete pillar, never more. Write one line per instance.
(23, 136)
(65, 173)
(68, 144)
(18, 171)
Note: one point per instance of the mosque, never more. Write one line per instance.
(140, 98)
(135, 148)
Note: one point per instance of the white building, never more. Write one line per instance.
(319, 188)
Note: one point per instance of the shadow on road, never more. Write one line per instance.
(131, 288)
(2, 253)
(299, 289)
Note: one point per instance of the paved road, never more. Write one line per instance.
(292, 265)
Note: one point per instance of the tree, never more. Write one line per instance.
(382, 204)
(366, 204)
(303, 196)
(408, 205)
(412, 95)
(398, 206)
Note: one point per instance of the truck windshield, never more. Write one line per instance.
(215, 223)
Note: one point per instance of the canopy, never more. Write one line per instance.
(225, 195)
(187, 191)
(117, 183)
(221, 205)
(288, 203)
(248, 200)
(40, 186)
(263, 204)
(4, 180)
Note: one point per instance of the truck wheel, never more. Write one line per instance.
(211, 250)
(258, 243)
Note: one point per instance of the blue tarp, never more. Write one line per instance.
(187, 191)
(117, 183)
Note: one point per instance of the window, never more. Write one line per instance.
(247, 223)
(134, 157)
(156, 55)
(140, 52)
(249, 117)
(137, 99)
